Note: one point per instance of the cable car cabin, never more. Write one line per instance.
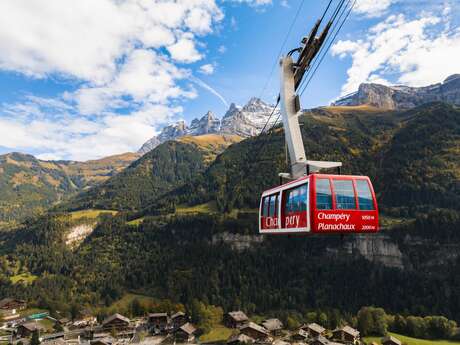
(318, 204)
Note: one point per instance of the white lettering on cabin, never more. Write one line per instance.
(340, 226)
(271, 222)
(292, 221)
(334, 216)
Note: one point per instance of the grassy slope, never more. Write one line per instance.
(412, 341)
(90, 213)
(25, 278)
(217, 334)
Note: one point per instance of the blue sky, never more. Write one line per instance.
(83, 80)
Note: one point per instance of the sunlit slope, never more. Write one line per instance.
(168, 166)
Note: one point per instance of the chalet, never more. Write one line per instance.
(58, 341)
(54, 336)
(26, 329)
(235, 319)
(280, 342)
(103, 341)
(117, 322)
(240, 338)
(178, 319)
(390, 340)
(274, 326)
(346, 334)
(314, 330)
(254, 331)
(185, 333)
(10, 306)
(300, 335)
(64, 321)
(320, 340)
(158, 321)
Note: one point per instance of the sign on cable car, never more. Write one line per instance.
(320, 203)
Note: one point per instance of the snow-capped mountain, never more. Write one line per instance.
(207, 124)
(244, 121)
(404, 97)
(248, 120)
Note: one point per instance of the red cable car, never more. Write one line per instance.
(313, 202)
(320, 203)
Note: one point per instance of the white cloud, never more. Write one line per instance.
(372, 8)
(207, 68)
(65, 135)
(253, 2)
(125, 57)
(184, 50)
(222, 49)
(419, 52)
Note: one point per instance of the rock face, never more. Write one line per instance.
(206, 125)
(242, 121)
(404, 97)
(248, 120)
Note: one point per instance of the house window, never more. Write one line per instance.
(323, 194)
(365, 200)
(344, 194)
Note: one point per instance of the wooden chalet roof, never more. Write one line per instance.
(188, 328)
(158, 315)
(322, 340)
(7, 300)
(315, 327)
(391, 338)
(114, 317)
(31, 326)
(255, 327)
(349, 330)
(240, 338)
(238, 316)
(280, 342)
(272, 324)
(178, 314)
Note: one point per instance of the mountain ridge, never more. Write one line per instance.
(243, 121)
(403, 97)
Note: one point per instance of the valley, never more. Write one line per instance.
(179, 224)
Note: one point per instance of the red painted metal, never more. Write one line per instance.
(315, 220)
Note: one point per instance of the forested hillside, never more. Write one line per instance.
(29, 186)
(168, 166)
(212, 252)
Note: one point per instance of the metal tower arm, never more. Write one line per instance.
(290, 111)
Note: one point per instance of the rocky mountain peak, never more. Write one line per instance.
(232, 110)
(244, 121)
(403, 97)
